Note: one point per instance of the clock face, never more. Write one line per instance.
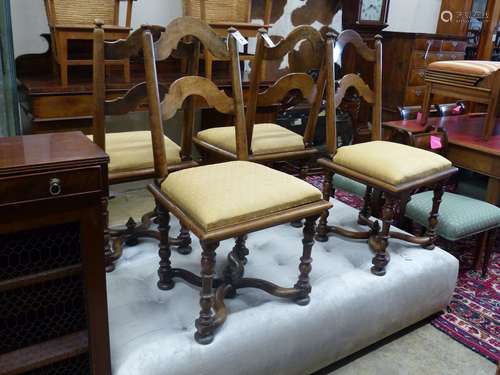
(371, 10)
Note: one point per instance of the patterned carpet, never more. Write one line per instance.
(473, 316)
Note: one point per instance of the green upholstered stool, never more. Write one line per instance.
(459, 217)
(349, 185)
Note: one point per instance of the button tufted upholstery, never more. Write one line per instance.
(132, 151)
(390, 162)
(152, 330)
(266, 138)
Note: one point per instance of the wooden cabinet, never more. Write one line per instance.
(406, 56)
(53, 307)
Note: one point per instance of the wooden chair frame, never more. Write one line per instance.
(477, 94)
(213, 290)
(62, 33)
(245, 27)
(377, 237)
(312, 91)
(118, 50)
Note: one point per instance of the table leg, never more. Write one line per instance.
(493, 191)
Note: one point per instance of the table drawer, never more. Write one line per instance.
(423, 44)
(454, 45)
(417, 77)
(50, 185)
(421, 59)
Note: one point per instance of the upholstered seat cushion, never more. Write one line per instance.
(473, 67)
(459, 216)
(266, 138)
(349, 185)
(132, 151)
(233, 192)
(390, 162)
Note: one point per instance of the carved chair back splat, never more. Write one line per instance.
(373, 96)
(188, 87)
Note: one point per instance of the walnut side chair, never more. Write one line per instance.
(269, 142)
(74, 20)
(131, 156)
(225, 200)
(394, 169)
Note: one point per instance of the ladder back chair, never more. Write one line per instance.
(222, 14)
(74, 20)
(130, 152)
(394, 169)
(270, 142)
(222, 201)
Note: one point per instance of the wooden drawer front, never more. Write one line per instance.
(417, 77)
(50, 185)
(454, 46)
(414, 95)
(60, 106)
(444, 56)
(421, 59)
(422, 44)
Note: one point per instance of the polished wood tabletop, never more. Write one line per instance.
(54, 150)
(466, 147)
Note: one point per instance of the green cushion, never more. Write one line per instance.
(346, 184)
(459, 216)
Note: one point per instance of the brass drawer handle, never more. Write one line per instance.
(55, 187)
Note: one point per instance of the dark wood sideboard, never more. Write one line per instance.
(53, 306)
(406, 56)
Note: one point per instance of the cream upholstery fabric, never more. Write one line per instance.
(265, 335)
(266, 138)
(474, 67)
(390, 162)
(237, 191)
(132, 151)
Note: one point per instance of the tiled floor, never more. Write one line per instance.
(422, 350)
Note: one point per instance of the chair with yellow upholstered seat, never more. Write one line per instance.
(130, 152)
(392, 168)
(270, 142)
(222, 201)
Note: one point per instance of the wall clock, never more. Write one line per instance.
(366, 16)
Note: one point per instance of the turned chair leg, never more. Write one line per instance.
(108, 254)
(305, 262)
(185, 247)
(322, 230)
(205, 324)
(381, 258)
(365, 212)
(433, 216)
(165, 274)
(485, 243)
(241, 249)
(426, 103)
(304, 169)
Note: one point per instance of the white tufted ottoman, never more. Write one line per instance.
(152, 330)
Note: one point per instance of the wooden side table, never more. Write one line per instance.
(53, 307)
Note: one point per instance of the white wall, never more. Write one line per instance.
(29, 19)
(414, 15)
